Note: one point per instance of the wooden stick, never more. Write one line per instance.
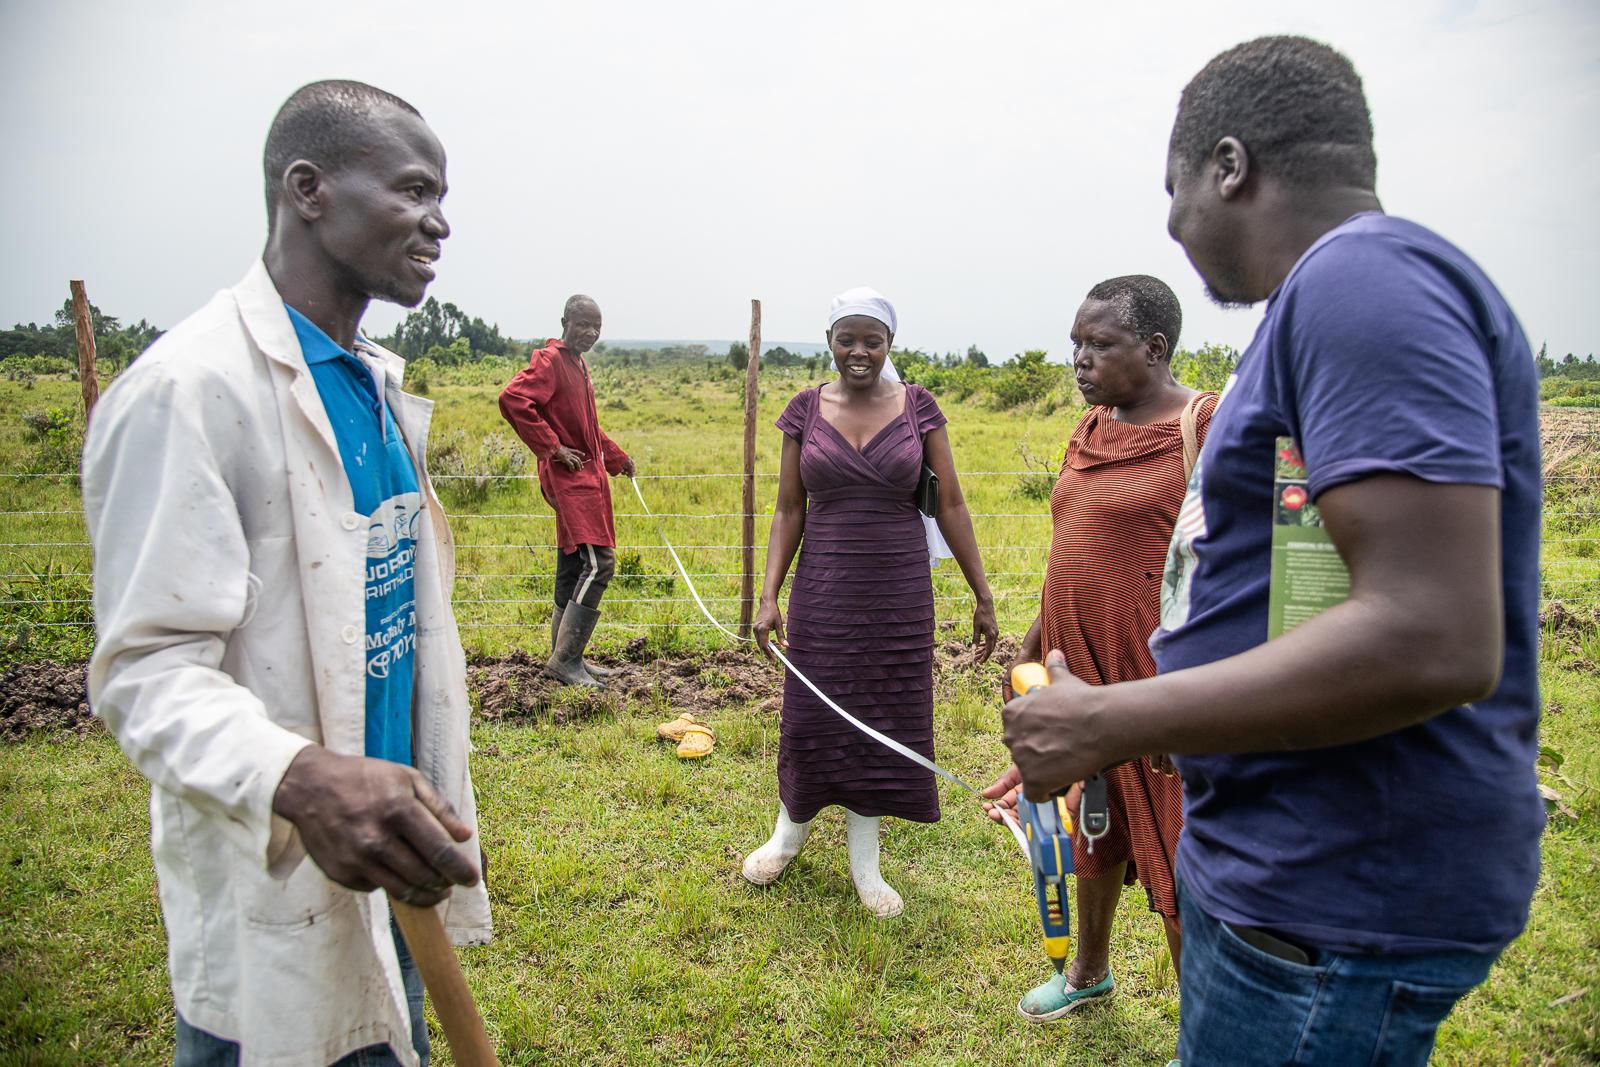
(83, 327)
(747, 587)
(441, 975)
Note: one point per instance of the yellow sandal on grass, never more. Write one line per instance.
(674, 730)
(697, 742)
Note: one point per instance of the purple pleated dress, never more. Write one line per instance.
(860, 620)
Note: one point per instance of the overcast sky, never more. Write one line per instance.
(981, 164)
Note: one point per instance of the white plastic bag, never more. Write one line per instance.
(937, 549)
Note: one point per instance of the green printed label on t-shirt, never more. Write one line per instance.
(1308, 576)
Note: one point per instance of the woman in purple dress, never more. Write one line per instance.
(861, 607)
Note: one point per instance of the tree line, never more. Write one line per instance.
(53, 348)
(443, 334)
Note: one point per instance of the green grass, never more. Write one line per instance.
(625, 934)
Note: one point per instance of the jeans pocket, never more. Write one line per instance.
(1411, 1022)
(1242, 950)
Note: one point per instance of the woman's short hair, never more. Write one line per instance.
(1145, 306)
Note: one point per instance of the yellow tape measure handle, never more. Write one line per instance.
(1027, 676)
(1024, 678)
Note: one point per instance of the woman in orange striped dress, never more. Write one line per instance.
(1113, 508)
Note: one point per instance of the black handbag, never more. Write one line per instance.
(928, 492)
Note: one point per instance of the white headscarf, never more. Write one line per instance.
(871, 303)
(864, 300)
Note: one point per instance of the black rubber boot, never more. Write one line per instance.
(555, 628)
(572, 636)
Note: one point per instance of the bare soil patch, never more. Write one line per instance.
(514, 686)
(48, 696)
(511, 687)
(53, 697)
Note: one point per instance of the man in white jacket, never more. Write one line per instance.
(276, 648)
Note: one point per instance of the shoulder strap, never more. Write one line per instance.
(1187, 424)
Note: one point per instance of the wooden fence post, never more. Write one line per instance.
(747, 588)
(83, 326)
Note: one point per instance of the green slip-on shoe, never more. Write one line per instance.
(1050, 1001)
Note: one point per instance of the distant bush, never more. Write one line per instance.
(58, 440)
(490, 370)
(1559, 388)
(1040, 480)
(1207, 368)
(1027, 379)
(418, 373)
(39, 425)
(23, 368)
(953, 384)
(466, 476)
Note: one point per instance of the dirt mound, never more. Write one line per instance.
(44, 696)
(513, 686)
(959, 654)
(52, 696)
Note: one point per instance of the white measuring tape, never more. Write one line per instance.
(882, 738)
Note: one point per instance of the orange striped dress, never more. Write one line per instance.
(1112, 513)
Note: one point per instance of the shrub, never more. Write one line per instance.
(40, 424)
(1040, 480)
(1207, 368)
(1027, 379)
(1558, 388)
(953, 383)
(633, 574)
(418, 372)
(25, 368)
(465, 477)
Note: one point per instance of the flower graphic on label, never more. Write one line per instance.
(1294, 497)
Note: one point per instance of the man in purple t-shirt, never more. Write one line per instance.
(1362, 819)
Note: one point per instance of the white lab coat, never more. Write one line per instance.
(229, 600)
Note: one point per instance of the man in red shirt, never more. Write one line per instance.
(550, 403)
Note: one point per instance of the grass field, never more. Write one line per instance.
(625, 934)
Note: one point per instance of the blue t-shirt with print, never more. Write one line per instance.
(383, 483)
(1385, 350)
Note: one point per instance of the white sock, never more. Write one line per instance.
(765, 864)
(875, 893)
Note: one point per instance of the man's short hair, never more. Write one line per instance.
(577, 300)
(323, 123)
(1145, 306)
(1297, 106)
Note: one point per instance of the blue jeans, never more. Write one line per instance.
(1242, 1005)
(197, 1048)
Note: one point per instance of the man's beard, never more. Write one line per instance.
(1223, 300)
(1229, 290)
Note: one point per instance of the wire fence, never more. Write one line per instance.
(46, 562)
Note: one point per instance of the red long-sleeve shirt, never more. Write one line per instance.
(550, 403)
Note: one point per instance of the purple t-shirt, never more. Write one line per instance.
(1385, 350)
